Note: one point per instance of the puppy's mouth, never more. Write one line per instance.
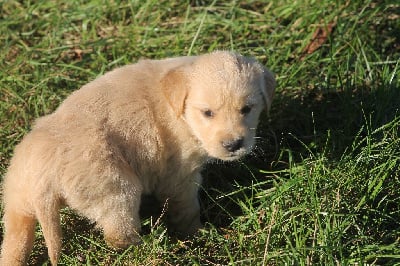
(232, 156)
(230, 152)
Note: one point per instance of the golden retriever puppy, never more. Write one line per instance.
(142, 128)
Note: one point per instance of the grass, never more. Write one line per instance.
(322, 186)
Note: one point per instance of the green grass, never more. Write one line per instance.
(322, 186)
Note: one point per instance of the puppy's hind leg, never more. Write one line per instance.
(49, 219)
(18, 238)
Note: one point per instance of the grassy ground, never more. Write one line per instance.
(323, 185)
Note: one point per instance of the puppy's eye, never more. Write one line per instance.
(245, 110)
(208, 113)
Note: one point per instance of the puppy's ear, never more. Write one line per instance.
(268, 90)
(175, 88)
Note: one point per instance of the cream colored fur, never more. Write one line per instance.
(143, 128)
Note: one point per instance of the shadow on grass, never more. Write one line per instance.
(313, 123)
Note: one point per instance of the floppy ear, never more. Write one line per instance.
(268, 90)
(175, 87)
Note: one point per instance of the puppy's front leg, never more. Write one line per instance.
(120, 230)
(184, 207)
(118, 210)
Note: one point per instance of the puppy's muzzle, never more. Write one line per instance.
(233, 144)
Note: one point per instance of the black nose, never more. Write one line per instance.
(233, 145)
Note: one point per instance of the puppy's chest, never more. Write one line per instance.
(172, 168)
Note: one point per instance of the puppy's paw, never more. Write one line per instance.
(193, 228)
(123, 242)
(185, 229)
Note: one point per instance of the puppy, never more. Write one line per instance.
(143, 128)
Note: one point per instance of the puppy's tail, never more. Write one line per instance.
(19, 234)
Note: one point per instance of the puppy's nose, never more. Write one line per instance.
(233, 144)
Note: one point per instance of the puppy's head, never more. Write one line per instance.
(220, 96)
